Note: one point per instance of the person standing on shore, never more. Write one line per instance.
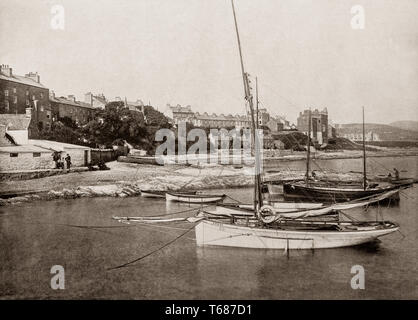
(68, 161)
(396, 173)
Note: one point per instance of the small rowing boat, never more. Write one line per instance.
(194, 198)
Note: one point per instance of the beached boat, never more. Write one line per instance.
(194, 198)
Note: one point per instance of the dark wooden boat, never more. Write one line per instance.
(318, 193)
(331, 192)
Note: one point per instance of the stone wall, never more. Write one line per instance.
(78, 157)
(26, 161)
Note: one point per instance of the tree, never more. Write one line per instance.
(61, 133)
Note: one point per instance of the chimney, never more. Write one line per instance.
(6, 70)
(52, 94)
(28, 112)
(71, 97)
(88, 98)
(34, 76)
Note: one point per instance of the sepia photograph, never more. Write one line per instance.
(208, 150)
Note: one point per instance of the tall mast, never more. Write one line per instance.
(256, 101)
(308, 157)
(248, 96)
(244, 75)
(364, 157)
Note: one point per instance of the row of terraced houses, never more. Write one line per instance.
(18, 93)
(27, 106)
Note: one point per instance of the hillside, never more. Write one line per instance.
(406, 125)
(384, 131)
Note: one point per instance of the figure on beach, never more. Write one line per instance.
(68, 161)
(396, 173)
(56, 157)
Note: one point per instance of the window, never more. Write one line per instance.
(6, 93)
(15, 99)
(14, 90)
(42, 108)
(27, 92)
(33, 97)
(6, 105)
(48, 114)
(36, 154)
(42, 95)
(14, 155)
(27, 102)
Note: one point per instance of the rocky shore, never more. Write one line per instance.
(126, 179)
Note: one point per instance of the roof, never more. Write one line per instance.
(101, 99)
(22, 79)
(55, 145)
(15, 121)
(23, 148)
(86, 105)
(220, 117)
(179, 108)
(137, 103)
(64, 100)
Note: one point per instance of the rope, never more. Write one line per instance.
(226, 196)
(160, 226)
(178, 212)
(152, 252)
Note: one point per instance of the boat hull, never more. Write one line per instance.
(281, 206)
(153, 194)
(193, 198)
(323, 194)
(210, 233)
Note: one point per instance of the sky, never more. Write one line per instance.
(304, 53)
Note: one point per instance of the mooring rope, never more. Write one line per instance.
(152, 252)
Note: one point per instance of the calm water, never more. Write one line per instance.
(81, 236)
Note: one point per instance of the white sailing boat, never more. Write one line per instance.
(274, 231)
(213, 233)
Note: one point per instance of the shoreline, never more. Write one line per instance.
(127, 179)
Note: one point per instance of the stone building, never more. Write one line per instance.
(17, 93)
(15, 151)
(19, 153)
(263, 117)
(96, 101)
(80, 155)
(205, 120)
(137, 105)
(181, 114)
(358, 137)
(80, 113)
(319, 125)
(213, 120)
